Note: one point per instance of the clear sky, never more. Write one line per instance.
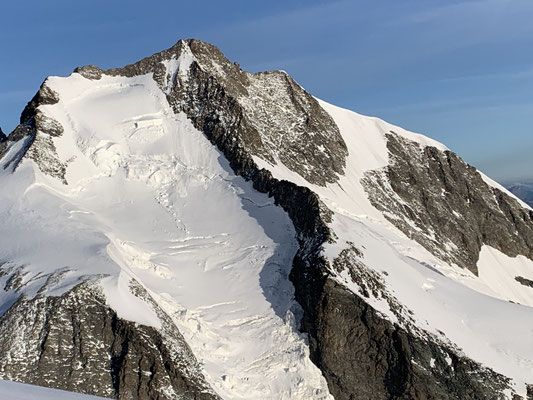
(458, 71)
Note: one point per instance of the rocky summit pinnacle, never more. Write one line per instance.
(181, 228)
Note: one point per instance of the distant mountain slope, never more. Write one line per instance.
(180, 228)
(522, 190)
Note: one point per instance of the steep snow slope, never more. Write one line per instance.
(150, 199)
(445, 299)
(20, 391)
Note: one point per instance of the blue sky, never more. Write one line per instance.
(458, 71)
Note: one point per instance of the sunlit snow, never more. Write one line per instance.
(150, 199)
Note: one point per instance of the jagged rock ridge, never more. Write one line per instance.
(447, 206)
(282, 121)
(37, 130)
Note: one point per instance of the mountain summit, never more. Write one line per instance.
(181, 228)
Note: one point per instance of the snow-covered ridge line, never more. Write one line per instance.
(522, 351)
(384, 127)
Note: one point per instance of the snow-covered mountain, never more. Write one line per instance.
(180, 228)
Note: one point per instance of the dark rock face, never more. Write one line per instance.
(45, 95)
(524, 281)
(47, 125)
(370, 283)
(437, 199)
(366, 357)
(43, 151)
(74, 342)
(38, 130)
(292, 126)
(3, 144)
(90, 72)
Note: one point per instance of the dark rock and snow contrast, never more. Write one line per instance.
(182, 229)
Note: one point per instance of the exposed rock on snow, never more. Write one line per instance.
(283, 123)
(89, 72)
(438, 200)
(74, 342)
(524, 281)
(37, 130)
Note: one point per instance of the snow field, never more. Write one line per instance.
(150, 199)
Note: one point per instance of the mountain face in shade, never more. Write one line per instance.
(181, 228)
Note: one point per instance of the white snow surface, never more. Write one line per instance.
(20, 391)
(474, 313)
(149, 198)
(498, 271)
